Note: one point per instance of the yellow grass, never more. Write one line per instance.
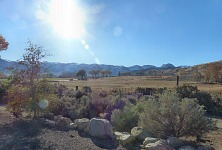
(132, 82)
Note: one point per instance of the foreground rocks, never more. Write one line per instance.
(100, 128)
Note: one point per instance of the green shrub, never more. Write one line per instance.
(124, 119)
(3, 90)
(170, 115)
(205, 99)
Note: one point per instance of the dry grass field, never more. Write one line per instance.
(132, 82)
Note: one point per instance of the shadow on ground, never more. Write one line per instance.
(20, 134)
(106, 143)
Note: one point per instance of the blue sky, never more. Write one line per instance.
(117, 32)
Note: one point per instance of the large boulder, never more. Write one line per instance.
(63, 123)
(140, 133)
(175, 142)
(100, 128)
(187, 147)
(150, 140)
(82, 123)
(158, 145)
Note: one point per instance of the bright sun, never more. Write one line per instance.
(67, 18)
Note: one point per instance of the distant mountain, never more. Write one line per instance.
(57, 68)
(137, 67)
(168, 66)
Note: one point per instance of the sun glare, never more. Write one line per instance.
(67, 18)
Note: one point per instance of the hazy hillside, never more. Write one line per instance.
(59, 68)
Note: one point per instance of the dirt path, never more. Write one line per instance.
(214, 138)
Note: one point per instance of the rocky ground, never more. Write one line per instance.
(26, 135)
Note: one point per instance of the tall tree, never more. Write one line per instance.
(31, 62)
(3, 43)
(215, 71)
(81, 73)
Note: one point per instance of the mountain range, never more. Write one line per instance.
(57, 68)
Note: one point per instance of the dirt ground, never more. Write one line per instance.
(28, 134)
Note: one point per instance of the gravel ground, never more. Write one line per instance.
(31, 134)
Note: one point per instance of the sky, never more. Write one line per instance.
(115, 32)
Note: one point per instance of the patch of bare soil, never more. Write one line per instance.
(27, 134)
(214, 138)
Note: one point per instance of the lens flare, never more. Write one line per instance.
(43, 104)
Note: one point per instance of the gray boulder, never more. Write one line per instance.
(63, 123)
(82, 123)
(140, 133)
(100, 128)
(175, 142)
(205, 148)
(187, 147)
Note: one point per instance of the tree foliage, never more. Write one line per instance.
(81, 73)
(31, 62)
(3, 43)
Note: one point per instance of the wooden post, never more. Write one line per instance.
(177, 80)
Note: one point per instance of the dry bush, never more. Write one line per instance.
(170, 115)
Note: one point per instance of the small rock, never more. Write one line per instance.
(140, 133)
(117, 135)
(63, 123)
(158, 145)
(73, 125)
(49, 116)
(57, 117)
(187, 147)
(126, 138)
(50, 123)
(175, 142)
(150, 140)
(82, 123)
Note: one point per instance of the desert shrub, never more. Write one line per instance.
(72, 107)
(100, 103)
(171, 115)
(70, 93)
(124, 119)
(60, 90)
(3, 90)
(187, 91)
(18, 98)
(205, 99)
(87, 89)
(79, 94)
(103, 93)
